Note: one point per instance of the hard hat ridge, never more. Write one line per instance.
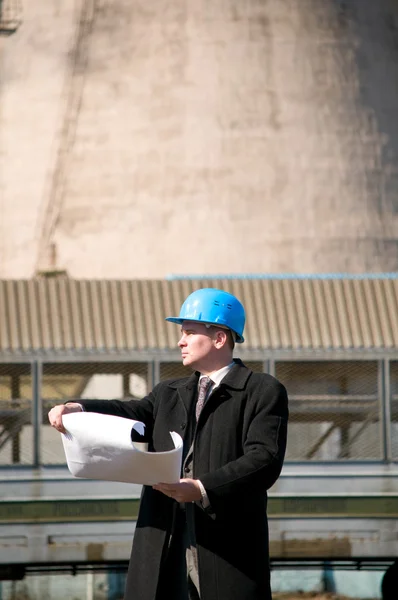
(213, 307)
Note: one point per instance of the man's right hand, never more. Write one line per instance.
(55, 414)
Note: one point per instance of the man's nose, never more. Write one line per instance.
(182, 341)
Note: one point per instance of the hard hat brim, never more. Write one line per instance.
(239, 338)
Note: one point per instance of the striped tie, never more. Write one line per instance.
(204, 386)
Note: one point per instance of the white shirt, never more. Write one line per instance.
(217, 377)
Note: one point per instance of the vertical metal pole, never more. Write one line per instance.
(345, 446)
(90, 586)
(271, 367)
(126, 385)
(384, 393)
(345, 428)
(15, 396)
(37, 411)
(266, 366)
(153, 373)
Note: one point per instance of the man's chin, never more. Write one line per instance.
(187, 361)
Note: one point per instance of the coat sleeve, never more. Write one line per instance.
(138, 410)
(264, 446)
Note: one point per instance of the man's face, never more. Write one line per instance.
(197, 344)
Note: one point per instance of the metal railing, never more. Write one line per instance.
(339, 410)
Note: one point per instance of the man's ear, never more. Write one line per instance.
(220, 338)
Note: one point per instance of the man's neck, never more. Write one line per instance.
(209, 370)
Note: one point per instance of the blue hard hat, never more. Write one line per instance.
(214, 307)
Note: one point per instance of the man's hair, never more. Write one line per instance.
(231, 335)
(231, 338)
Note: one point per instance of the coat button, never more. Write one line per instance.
(183, 425)
(187, 469)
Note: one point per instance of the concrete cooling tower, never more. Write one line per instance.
(145, 139)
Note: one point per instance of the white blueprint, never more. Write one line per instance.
(99, 446)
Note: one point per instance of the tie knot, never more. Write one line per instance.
(205, 383)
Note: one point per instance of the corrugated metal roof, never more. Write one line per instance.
(61, 315)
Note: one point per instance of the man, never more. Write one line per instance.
(206, 536)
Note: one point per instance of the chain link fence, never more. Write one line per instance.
(334, 410)
(16, 412)
(394, 408)
(336, 407)
(76, 381)
(171, 370)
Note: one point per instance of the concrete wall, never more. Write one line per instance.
(141, 139)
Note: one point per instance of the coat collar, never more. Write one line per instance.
(236, 378)
(187, 387)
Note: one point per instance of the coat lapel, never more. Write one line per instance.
(237, 377)
(186, 389)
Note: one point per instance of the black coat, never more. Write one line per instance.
(239, 449)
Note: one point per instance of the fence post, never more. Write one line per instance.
(37, 412)
(385, 399)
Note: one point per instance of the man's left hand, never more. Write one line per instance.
(186, 490)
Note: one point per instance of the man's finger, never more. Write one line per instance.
(166, 487)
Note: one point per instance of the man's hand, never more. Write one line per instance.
(187, 490)
(55, 414)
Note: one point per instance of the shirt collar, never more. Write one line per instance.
(219, 375)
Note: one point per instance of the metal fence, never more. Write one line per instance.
(339, 410)
(335, 410)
